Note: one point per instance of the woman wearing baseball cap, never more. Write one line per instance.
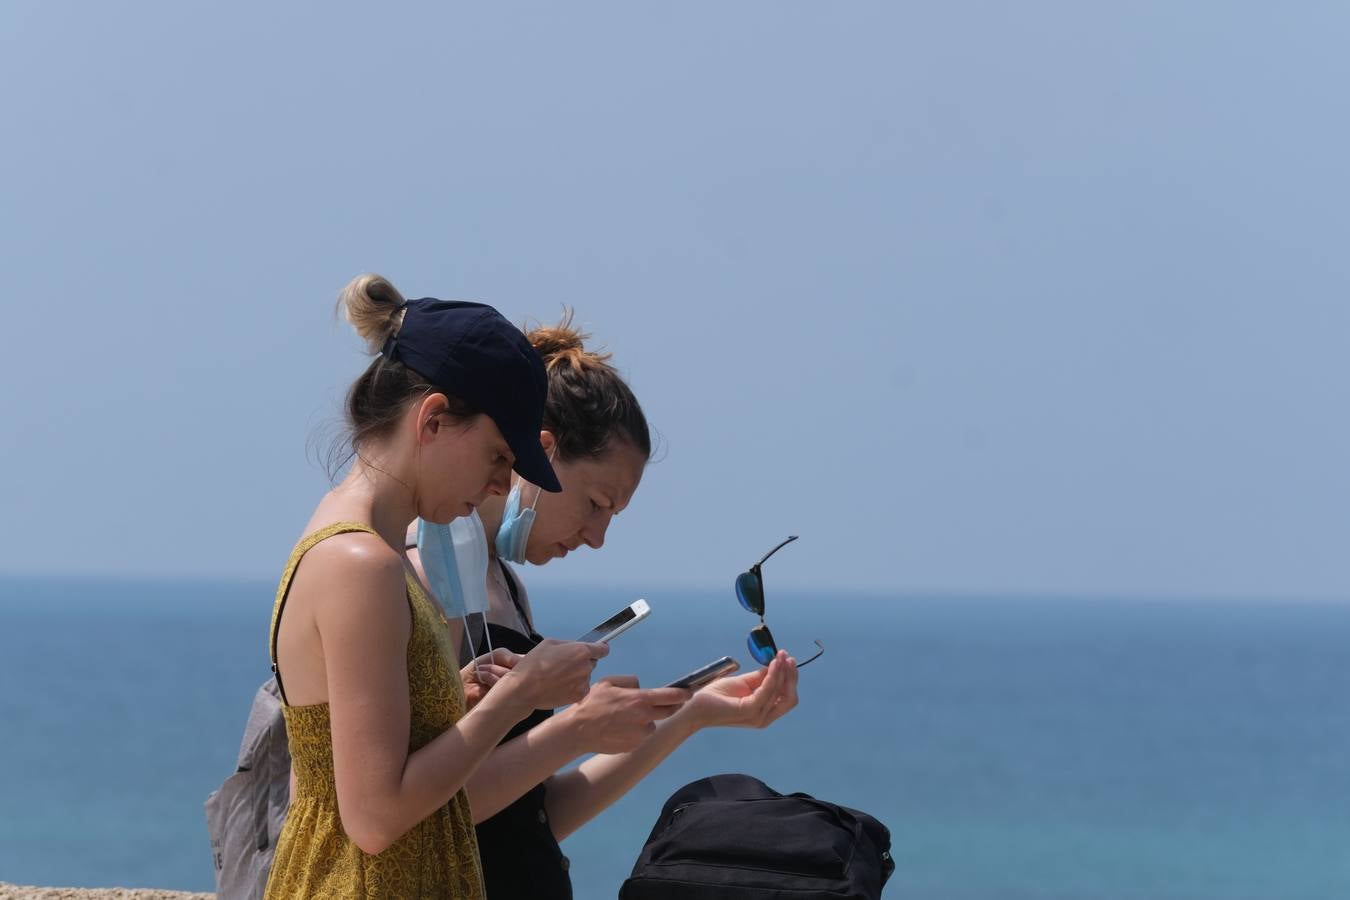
(375, 714)
(599, 441)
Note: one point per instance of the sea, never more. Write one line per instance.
(1085, 748)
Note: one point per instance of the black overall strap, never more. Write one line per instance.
(514, 591)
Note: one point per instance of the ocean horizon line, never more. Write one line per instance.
(540, 582)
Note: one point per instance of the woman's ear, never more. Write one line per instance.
(430, 416)
(547, 441)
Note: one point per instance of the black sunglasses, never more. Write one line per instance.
(750, 591)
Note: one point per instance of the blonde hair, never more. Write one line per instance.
(379, 397)
(374, 307)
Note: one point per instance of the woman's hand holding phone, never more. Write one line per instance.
(753, 700)
(617, 714)
(554, 673)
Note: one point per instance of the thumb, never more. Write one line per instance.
(503, 657)
(623, 681)
(491, 674)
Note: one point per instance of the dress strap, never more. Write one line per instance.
(306, 544)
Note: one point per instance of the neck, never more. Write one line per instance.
(490, 512)
(384, 495)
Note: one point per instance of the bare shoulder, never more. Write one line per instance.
(357, 574)
(357, 549)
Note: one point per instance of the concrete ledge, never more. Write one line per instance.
(19, 892)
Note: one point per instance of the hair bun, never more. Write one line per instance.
(374, 307)
(562, 344)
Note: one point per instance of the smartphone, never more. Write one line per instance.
(705, 674)
(618, 623)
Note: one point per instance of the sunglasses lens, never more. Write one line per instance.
(761, 645)
(750, 592)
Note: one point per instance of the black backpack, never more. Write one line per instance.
(732, 837)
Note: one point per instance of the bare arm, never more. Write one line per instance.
(515, 767)
(579, 795)
(753, 700)
(615, 716)
(364, 626)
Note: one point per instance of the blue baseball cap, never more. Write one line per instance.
(470, 351)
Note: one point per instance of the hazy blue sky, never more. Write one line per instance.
(986, 297)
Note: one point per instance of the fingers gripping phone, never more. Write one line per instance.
(618, 623)
(706, 674)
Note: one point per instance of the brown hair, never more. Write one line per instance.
(384, 390)
(589, 405)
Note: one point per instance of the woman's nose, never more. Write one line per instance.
(500, 485)
(594, 533)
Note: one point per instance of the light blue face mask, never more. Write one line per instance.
(514, 532)
(455, 559)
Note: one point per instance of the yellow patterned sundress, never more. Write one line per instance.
(314, 857)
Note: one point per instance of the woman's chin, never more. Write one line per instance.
(544, 556)
(446, 514)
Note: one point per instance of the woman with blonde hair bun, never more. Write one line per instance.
(381, 744)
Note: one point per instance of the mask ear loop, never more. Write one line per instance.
(537, 491)
(528, 625)
(487, 632)
(464, 616)
(473, 645)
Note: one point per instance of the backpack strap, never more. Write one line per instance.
(306, 544)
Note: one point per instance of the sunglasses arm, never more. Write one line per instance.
(791, 538)
(815, 656)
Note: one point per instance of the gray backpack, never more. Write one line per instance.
(244, 817)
